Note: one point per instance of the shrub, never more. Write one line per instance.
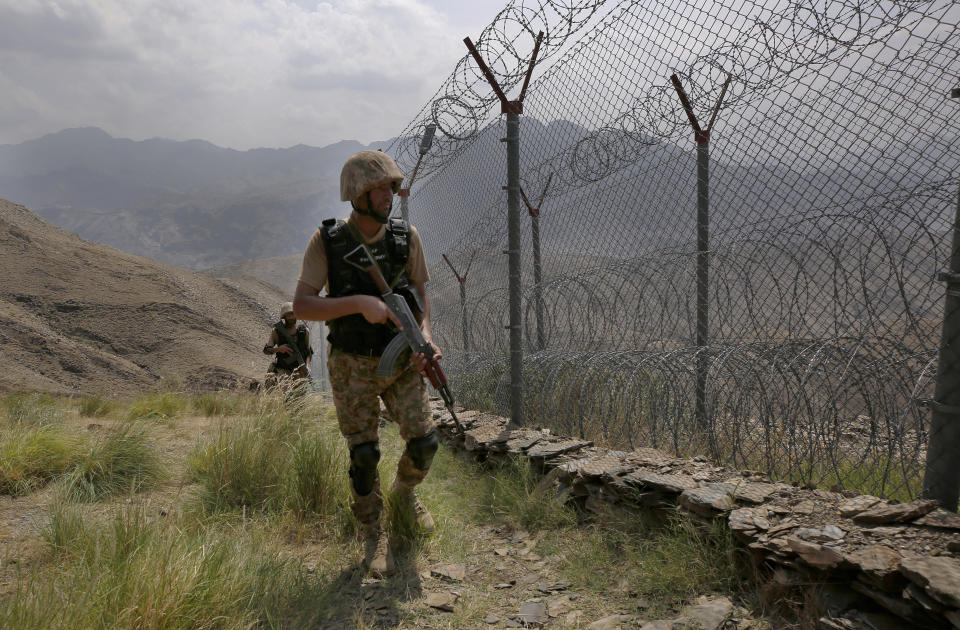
(245, 466)
(162, 406)
(32, 409)
(96, 406)
(316, 483)
(217, 404)
(515, 496)
(121, 461)
(137, 573)
(32, 456)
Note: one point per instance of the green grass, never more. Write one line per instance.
(270, 544)
(134, 572)
(32, 409)
(122, 460)
(218, 404)
(31, 456)
(96, 406)
(514, 496)
(272, 461)
(159, 406)
(666, 563)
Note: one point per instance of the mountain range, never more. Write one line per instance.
(190, 204)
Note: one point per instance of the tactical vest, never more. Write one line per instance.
(353, 333)
(288, 361)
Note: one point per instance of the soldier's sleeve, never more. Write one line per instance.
(309, 347)
(271, 342)
(417, 264)
(313, 269)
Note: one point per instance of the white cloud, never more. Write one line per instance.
(239, 73)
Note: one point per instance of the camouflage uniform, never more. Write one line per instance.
(357, 390)
(283, 372)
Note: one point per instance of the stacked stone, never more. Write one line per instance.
(882, 565)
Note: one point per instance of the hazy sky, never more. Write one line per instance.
(239, 73)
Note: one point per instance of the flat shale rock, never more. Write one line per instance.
(862, 503)
(710, 499)
(609, 623)
(451, 572)
(747, 521)
(674, 484)
(900, 513)
(520, 443)
(708, 614)
(750, 491)
(441, 601)
(559, 606)
(818, 556)
(894, 603)
(941, 519)
(483, 435)
(939, 576)
(610, 465)
(828, 533)
(879, 565)
(552, 449)
(533, 613)
(649, 457)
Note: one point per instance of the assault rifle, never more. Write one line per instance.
(288, 339)
(409, 336)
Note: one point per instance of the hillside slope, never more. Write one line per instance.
(77, 316)
(281, 272)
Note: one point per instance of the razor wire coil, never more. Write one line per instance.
(834, 172)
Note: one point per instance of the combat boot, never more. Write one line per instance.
(407, 499)
(376, 555)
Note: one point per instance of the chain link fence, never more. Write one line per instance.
(833, 187)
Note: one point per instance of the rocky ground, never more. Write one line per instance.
(506, 577)
(880, 565)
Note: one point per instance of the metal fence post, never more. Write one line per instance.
(463, 299)
(513, 257)
(512, 109)
(537, 279)
(941, 479)
(425, 143)
(534, 212)
(702, 136)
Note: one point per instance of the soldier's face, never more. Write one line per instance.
(290, 319)
(382, 198)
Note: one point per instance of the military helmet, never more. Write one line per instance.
(366, 170)
(286, 307)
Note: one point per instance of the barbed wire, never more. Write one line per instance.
(833, 184)
(462, 104)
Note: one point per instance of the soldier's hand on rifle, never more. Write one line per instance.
(284, 349)
(423, 361)
(376, 311)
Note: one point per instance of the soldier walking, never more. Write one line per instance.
(361, 326)
(289, 343)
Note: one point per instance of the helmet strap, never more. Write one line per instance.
(369, 212)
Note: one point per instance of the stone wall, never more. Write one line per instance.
(876, 565)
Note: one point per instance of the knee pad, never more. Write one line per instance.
(422, 449)
(363, 466)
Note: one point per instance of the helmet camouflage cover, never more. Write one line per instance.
(366, 170)
(286, 307)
